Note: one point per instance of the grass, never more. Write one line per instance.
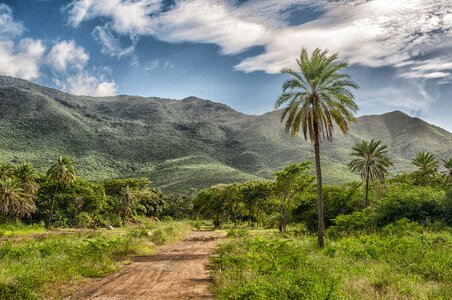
(377, 266)
(40, 268)
(19, 229)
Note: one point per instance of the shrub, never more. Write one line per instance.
(354, 223)
(418, 204)
(84, 220)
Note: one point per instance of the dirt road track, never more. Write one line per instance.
(176, 271)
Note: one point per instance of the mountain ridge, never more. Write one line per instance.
(184, 143)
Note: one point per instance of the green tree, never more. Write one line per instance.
(27, 176)
(63, 173)
(236, 204)
(427, 167)
(316, 96)
(448, 166)
(371, 163)
(255, 196)
(6, 170)
(290, 183)
(13, 199)
(212, 203)
(127, 201)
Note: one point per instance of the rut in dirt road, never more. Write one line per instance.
(176, 271)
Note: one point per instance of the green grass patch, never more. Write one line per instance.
(376, 266)
(18, 229)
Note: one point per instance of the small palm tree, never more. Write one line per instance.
(13, 199)
(6, 170)
(371, 163)
(27, 176)
(127, 201)
(62, 172)
(317, 96)
(427, 166)
(448, 166)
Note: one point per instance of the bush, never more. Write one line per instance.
(84, 220)
(240, 233)
(419, 204)
(337, 200)
(357, 222)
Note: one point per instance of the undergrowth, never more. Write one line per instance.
(391, 264)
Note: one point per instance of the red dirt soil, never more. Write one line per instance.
(176, 271)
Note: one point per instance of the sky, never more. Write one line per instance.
(399, 51)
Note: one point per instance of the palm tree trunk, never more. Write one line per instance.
(366, 198)
(320, 225)
(49, 221)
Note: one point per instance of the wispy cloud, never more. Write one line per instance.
(111, 44)
(370, 33)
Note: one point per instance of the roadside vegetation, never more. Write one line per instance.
(45, 267)
(401, 261)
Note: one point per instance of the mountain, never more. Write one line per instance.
(184, 143)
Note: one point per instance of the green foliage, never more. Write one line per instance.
(212, 203)
(416, 203)
(290, 186)
(357, 222)
(427, 168)
(270, 268)
(168, 232)
(338, 200)
(256, 197)
(401, 262)
(179, 206)
(80, 197)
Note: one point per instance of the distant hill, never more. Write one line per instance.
(183, 143)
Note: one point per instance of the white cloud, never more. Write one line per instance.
(69, 61)
(85, 83)
(66, 54)
(128, 17)
(21, 60)
(9, 27)
(371, 33)
(25, 58)
(111, 45)
(212, 22)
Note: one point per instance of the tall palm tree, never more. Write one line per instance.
(6, 170)
(371, 163)
(27, 176)
(427, 166)
(62, 172)
(316, 97)
(13, 199)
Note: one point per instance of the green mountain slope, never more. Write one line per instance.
(183, 143)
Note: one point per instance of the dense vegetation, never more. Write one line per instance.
(400, 261)
(188, 143)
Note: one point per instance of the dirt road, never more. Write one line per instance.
(176, 271)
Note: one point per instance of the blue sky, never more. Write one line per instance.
(228, 51)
